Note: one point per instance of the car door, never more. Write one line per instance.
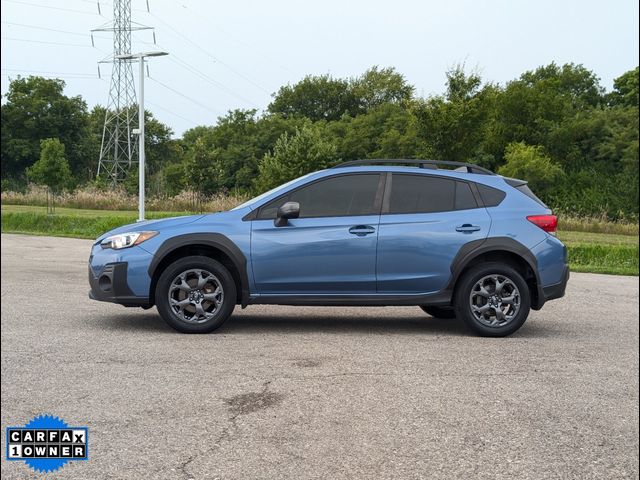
(425, 221)
(330, 248)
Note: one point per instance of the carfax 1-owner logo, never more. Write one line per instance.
(47, 443)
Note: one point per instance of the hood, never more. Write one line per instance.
(156, 224)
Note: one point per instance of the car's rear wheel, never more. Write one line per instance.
(195, 294)
(439, 312)
(493, 299)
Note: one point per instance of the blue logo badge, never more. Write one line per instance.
(47, 443)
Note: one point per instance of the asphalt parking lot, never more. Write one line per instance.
(286, 392)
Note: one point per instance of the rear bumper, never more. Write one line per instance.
(551, 292)
(110, 285)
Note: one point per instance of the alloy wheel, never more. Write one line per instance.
(495, 300)
(195, 295)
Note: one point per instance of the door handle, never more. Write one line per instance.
(467, 228)
(362, 230)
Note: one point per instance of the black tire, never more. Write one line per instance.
(470, 281)
(215, 312)
(439, 312)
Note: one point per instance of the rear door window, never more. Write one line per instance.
(428, 194)
(464, 197)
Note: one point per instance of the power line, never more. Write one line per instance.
(192, 100)
(229, 67)
(94, 2)
(52, 43)
(43, 42)
(181, 63)
(20, 70)
(171, 112)
(210, 80)
(50, 7)
(36, 27)
(241, 42)
(58, 77)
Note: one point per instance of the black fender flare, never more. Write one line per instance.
(214, 240)
(470, 251)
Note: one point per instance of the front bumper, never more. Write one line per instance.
(111, 286)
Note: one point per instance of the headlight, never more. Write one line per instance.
(126, 240)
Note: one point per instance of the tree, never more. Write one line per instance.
(295, 155)
(462, 85)
(316, 98)
(386, 131)
(454, 126)
(240, 140)
(36, 108)
(377, 87)
(51, 170)
(533, 107)
(160, 148)
(625, 89)
(174, 178)
(571, 81)
(201, 174)
(529, 162)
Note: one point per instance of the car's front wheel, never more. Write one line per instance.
(493, 299)
(195, 294)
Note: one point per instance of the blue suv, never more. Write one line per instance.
(459, 242)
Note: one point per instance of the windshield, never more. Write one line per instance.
(264, 195)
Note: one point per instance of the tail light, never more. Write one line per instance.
(548, 223)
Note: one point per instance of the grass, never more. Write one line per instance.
(572, 238)
(595, 252)
(601, 252)
(61, 225)
(596, 225)
(119, 200)
(592, 258)
(69, 222)
(86, 212)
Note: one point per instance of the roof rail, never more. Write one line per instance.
(470, 167)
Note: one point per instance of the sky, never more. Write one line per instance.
(236, 54)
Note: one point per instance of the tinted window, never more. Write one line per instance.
(270, 209)
(527, 191)
(490, 196)
(421, 194)
(464, 197)
(345, 195)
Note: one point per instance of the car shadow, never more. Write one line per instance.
(323, 321)
(248, 323)
(320, 323)
(134, 322)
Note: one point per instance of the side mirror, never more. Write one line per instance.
(285, 212)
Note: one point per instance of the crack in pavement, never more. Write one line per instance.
(238, 405)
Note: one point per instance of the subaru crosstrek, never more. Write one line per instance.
(461, 242)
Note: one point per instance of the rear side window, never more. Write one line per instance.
(464, 197)
(490, 196)
(527, 191)
(345, 195)
(427, 194)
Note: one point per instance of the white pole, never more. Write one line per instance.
(141, 144)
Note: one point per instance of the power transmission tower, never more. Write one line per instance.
(118, 148)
